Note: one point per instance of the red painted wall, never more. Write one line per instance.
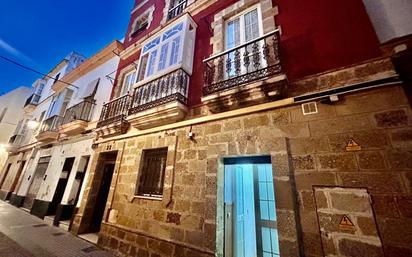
(317, 35)
(157, 18)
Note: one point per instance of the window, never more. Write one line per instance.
(152, 172)
(162, 52)
(142, 22)
(129, 80)
(176, 8)
(239, 30)
(175, 51)
(56, 78)
(59, 103)
(163, 56)
(39, 89)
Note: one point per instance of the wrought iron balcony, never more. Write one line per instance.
(80, 112)
(32, 100)
(168, 88)
(255, 60)
(114, 111)
(51, 124)
(176, 10)
(161, 101)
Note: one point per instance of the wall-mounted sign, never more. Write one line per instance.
(346, 223)
(352, 146)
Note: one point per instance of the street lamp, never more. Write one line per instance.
(32, 124)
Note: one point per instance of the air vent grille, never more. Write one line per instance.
(309, 108)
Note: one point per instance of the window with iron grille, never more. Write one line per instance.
(152, 172)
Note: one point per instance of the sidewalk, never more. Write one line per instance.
(24, 235)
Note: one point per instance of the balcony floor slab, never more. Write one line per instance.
(73, 128)
(245, 95)
(161, 115)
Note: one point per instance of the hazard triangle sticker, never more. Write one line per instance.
(346, 222)
(352, 145)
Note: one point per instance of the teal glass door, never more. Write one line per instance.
(250, 211)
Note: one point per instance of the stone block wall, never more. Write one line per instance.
(307, 152)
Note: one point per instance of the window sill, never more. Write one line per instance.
(148, 198)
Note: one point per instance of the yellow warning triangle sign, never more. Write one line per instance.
(352, 145)
(345, 221)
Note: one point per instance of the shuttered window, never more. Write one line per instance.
(152, 172)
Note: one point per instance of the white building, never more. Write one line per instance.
(32, 110)
(11, 111)
(60, 149)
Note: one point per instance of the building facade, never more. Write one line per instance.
(11, 111)
(252, 128)
(234, 128)
(54, 156)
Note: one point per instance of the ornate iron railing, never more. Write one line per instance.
(254, 60)
(176, 10)
(82, 111)
(168, 88)
(114, 110)
(51, 124)
(33, 99)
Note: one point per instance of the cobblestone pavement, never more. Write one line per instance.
(24, 235)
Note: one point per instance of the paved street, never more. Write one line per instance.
(23, 235)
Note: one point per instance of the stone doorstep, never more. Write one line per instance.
(161, 115)
(73, 128)
(64, 224)
(49, 220)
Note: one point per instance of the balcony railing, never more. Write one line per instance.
(16, 140)
(51, 124)
(254, 60)
(33, 99)
(168, 88)
(176, 10)
(114, 111)
(82, 111)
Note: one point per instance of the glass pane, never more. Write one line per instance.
(251, 25)
(264, 210)
(275, 241)
(261, 173)
(271, 193)
(163, 56)
(152, 61)
(266, 244)
(233, 34)
(142, 68)
(272, 210)
(263, 191)
(175, 51)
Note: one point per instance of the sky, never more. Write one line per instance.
(40, 33)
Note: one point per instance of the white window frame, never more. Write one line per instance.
(149, 13)
(158, 48)
(130, 87)
(241, 18)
